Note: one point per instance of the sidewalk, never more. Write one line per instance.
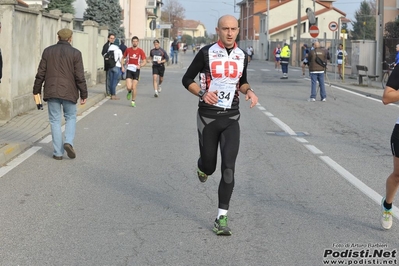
(22, 131)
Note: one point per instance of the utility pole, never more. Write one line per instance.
(267, 31)
(298, 35)
(379, 34)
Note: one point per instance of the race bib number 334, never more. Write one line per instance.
(226, 93)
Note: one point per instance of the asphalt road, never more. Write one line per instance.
(308, 180)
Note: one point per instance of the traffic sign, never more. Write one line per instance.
(333, 26)
(314, 31)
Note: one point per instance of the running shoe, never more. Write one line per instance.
(311, 100)
(133, 104)
(129, 95)
(323, 100)
(220, 226)
(202, 176)
(386, 219)
(159, 89)
(156, 94)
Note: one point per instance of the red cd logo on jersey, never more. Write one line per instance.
(228, 69)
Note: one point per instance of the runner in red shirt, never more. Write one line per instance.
(134, 58)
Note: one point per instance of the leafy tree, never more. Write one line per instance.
(187, 39)
(364, 26)
(173, 12)
(391, 30)
(64, 5)
(106, 13)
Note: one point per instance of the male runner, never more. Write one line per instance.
(158, 57)
(341, 55)
(222, 69)
(135, 59)
(276, 53)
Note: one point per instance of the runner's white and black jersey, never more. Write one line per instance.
(219, 69)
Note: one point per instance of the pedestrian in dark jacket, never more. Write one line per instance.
(123, 47)
(111, 40)
(317, 66)
(61, 70)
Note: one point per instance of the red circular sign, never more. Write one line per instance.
(314, 31)
(333, 26)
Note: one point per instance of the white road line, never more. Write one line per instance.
(283, 126)
(356, 182)
(18, 160)
(301, 140)
(268, 114)
(313, 149)
(335, 166)
(265, 70)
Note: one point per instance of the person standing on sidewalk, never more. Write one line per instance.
(222, 68)
(62, 72)
(135, 58)
(317, 66)
(114, 73)
(111, 40)
(277, 52)
(285, 58)
(305, 56)
(341, 55)
(391, 95)
(175, 46)
(158, 57)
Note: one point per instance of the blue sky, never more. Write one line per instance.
(207, 11)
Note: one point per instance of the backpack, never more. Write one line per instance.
(109, 60)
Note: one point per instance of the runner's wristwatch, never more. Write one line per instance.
(249, 89)
(201, 93)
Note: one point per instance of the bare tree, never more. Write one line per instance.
(173, 13)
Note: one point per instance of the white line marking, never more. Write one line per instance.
(261, 108)
(301, 140)
(283, 126)
(265, 69)
(18, 160)
(313, 149)
(356, 182)
(268, 114)
(335, 166)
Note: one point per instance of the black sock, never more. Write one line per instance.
(387, 206)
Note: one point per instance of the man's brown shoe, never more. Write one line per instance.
(57, 157)
(113, 97)
(69, 149)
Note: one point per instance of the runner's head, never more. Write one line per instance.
(135, 41)
(156, 44)
(227, 30)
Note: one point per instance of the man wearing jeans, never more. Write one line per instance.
(61, 70)
(113, 74)
(316, 58)
(175, 51)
